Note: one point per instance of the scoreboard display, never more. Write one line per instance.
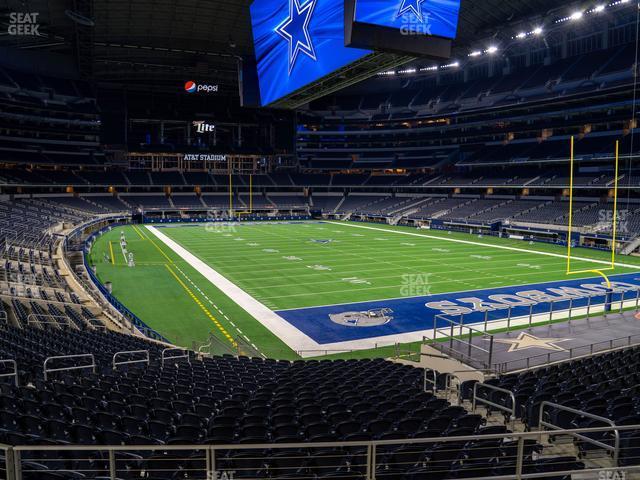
(411, 17)
(300, 42)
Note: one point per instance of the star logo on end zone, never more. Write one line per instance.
(295, 30)
(193, 87)
(413, 6)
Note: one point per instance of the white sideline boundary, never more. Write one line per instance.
(289, 334)
(480, 244)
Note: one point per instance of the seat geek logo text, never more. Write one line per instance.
(23, 24)
(193, 87)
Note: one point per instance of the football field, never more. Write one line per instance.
(277, 285)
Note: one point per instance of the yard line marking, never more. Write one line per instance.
(202, 306)
(212, 304)
(113, 259)
(138, 232)
(273, 322)
(124, 254)
(500, 247)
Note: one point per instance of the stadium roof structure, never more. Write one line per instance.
(161, 43)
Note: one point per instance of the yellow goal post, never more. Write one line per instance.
(599, 271)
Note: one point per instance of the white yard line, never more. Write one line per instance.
(124, 254)
(290, 335)
(499, 247)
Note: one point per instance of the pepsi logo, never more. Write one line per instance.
(193, 87)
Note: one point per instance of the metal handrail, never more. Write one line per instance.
(503, 366)
(434, 382)
(14, 374)
(46, 370)
(114, 363)
(616, 433)
(451, 336)
(97, 324)
(450, 388)
(475, 399)
(285, 446)
(185, 354)
(369, 451)
(32, 318)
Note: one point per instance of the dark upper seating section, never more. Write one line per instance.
(59, 117)
(429, 121)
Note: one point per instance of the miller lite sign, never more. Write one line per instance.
(203, 127)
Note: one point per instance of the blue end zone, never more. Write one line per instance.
(418, 313)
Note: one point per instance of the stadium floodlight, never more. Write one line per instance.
(475, 53)
(492, 49)
(576, 15)
(521, 35)
(599, 8)
(537, 31)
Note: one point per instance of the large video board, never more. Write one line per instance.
(298, 42)
(411, 17)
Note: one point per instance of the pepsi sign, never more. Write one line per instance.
(193, 87)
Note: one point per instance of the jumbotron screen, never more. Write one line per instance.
(411, 17)
(298, 42)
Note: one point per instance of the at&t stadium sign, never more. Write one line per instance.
(204, 157)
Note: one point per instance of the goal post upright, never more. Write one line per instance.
(245, 211)
(615, 215)
(230, 194)
(570, 226)
(615, 205)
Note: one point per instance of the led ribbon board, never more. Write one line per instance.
(298, 42)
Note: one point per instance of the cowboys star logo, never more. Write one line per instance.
(525, 341)
(295, 30)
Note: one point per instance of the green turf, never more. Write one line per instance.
(291, 266)
(254, 257)
(151, 292)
